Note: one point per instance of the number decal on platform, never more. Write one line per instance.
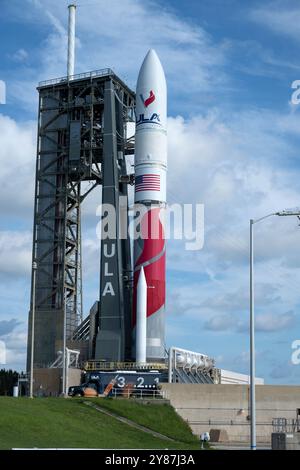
(121, 382)
(140, 382)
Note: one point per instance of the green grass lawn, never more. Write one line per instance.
(59, 422)
(159, 418)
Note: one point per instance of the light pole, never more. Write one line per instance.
(34, 268)
(64, 357)
(288, 212)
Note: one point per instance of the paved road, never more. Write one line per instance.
(238, 446)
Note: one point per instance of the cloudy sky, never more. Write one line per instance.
(233, 146)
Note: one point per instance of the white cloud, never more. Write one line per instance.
(267, 323)
(280, 17)
(270, 322)
(220, 323)
(17, 160)
(16, 352)
(7, 326)
(15, 342)
(283, 371)
(21, 55)
(186, 49)
(15, 253)
(214, 161)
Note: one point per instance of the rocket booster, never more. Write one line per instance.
(141, 318)
(150, 191)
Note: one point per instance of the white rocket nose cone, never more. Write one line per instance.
(151, 71)
(151, 58)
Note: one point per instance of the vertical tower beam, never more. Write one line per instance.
(110, 343)
(122, 118)
(71, 40)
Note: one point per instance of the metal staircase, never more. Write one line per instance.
(182, 375)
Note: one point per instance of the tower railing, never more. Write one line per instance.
(99, 365)
(78, 76)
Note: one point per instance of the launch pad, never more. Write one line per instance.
(82, 137)
(82, 142)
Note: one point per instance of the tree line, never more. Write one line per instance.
(8, 378)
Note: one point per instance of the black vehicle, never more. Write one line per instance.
(78, 390)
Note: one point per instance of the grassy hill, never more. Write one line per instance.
(59, 422)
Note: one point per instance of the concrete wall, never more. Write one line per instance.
(230, 377)
(48, 382)
(226, 407)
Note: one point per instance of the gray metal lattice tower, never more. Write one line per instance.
(81, 137)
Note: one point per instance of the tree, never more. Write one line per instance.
(8, 378)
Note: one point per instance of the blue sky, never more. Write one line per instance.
(233, 145)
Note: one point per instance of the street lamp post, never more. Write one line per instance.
(34, 268)
(252, 346)
(288, 212)
(64, 357)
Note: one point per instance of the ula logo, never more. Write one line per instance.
(149, 100)
(154, 119)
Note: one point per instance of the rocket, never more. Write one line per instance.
(150, 192)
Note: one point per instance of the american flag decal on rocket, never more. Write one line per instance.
(150, 182)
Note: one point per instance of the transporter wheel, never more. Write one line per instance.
(78, 395)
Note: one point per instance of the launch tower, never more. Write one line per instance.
(81, 137)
